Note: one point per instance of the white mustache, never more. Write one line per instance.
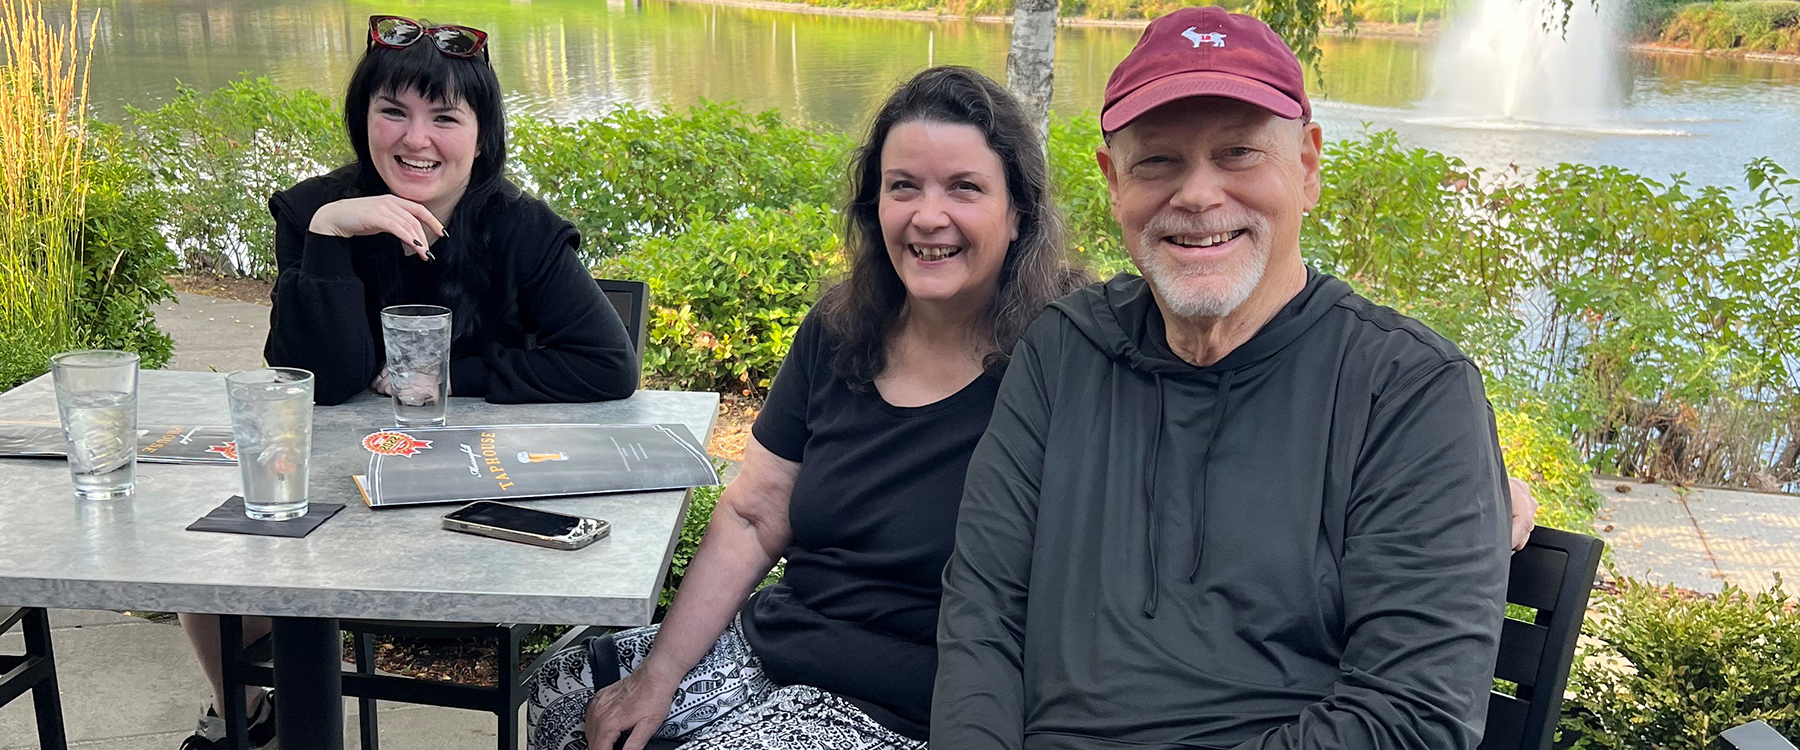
(1166, 225)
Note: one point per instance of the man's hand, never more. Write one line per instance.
(1524, 512)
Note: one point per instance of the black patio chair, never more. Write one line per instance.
(632, 300)
(1554, 575)
(35, 670)
(1757, 735)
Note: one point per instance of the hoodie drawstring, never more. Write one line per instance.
(1212, 439)
(1150, 501)
(1218, 425)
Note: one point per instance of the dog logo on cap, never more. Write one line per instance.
(1215, 38)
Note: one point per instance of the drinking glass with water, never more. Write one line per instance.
(96, 396)
(271, 419)
(418, 362)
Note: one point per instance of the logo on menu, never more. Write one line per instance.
(1215, 38)
(490, 456)
(228, 450)
(390, 443)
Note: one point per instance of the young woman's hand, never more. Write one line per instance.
(411, 394)
(411, 222)
(630, 709)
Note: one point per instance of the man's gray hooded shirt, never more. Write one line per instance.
(1303, 545)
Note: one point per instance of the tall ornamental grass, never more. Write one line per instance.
(43, 97)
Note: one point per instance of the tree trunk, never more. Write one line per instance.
(1030, 63)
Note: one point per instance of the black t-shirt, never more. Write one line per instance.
(874, 519)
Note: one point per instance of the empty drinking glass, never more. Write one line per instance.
(271, 419)
(418, 362)
(96, 396)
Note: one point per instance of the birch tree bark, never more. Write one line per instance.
(1030, 65)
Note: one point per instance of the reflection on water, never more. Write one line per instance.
(578, 58)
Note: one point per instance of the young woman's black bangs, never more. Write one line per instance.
(432, 79)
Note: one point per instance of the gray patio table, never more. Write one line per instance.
(397, 564)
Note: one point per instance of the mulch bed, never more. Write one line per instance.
(732, 433)
(465, 661)
(254, 291)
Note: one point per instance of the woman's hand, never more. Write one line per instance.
(633, 707)
(1524, 508)
(411, 222)
(409, 393)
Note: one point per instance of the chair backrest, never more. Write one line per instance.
(1554, 575)
(632, 300)
(1757, 735)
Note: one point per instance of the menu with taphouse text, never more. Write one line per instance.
(419, 466)
(161, 444)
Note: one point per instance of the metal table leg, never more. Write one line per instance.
(309, 691)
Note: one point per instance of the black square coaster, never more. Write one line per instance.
(229, 518)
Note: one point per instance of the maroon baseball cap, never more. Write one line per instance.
(1206, 52)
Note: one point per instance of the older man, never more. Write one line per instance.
(1231, 504)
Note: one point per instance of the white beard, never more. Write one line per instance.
(1202, 290)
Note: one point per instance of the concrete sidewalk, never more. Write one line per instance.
(1701, 539)
(214, 335)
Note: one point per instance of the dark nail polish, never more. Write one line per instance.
(418, 243)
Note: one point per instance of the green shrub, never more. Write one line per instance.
(1080, 191)
(120, 261)
(1752, 25)
(726, 297)
(1540, 453)
(1649, 17)
(1406, 227)
(42, 85)
(218, 156)
(123, 256)
(1662, 669)
(1651, 318)
(635, 174)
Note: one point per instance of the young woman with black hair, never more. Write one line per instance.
(425, 215)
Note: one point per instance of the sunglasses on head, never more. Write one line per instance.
(397, 32)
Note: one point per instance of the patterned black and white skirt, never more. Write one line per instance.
(724, 703)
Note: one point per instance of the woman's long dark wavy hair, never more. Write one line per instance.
(861, 311)
(421, 68)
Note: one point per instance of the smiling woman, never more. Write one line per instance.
(855, 466)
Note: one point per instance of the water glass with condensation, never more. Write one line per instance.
(271, 420)
(96, 396)
(418, 363)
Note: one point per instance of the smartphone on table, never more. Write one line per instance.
(529, 525)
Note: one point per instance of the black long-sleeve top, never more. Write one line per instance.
(543, 332)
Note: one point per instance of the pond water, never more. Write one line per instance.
(1705, 117)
